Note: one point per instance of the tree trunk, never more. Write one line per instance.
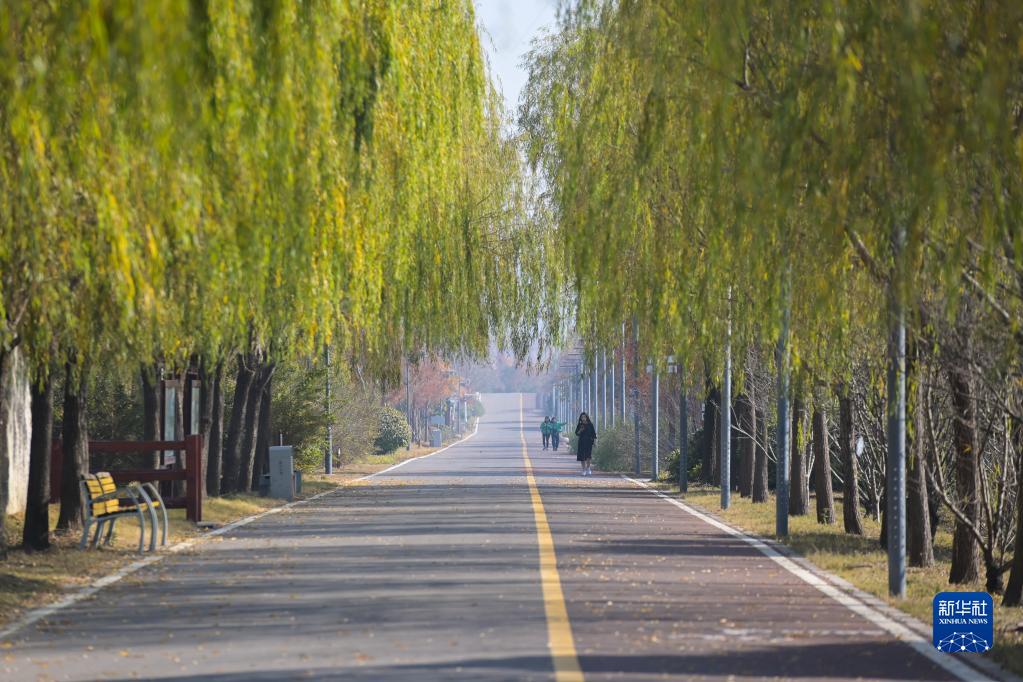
(5, 464)
(262, 459)
(799, 493)
(883, 538)
(207, 379)
(919, 550)
(965, 550)
(36, 533)
(733, 449)
(1014, 590)
(760, 457)
(251, 427)
(215, 444)
(76, 450)
(151, 400)
(710, 418)
(746, 421)
(233, 449)
(851, 516)
(822, 468)
(715, 446)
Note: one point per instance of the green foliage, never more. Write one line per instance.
(475, 408)
(613, 450)
(309, 458)
(182, 179)
(393, 431)
(299, 415)
(710, 166)
(669, 466)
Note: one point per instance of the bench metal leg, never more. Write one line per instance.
(152, 518)
(166, 523)
(154, 494)
(85, 533)
(96, 535)
(110, 533)
(142, 530)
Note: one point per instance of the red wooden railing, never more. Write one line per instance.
(191, 474)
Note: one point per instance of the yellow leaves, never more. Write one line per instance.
(243, 193)
(853, 61)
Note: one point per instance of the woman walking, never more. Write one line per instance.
(584, 450)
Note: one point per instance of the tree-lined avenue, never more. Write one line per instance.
(431, 570)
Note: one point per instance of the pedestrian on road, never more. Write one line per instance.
(545, 429)
(556, 427)
(584, 450)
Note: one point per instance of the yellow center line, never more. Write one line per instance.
(559, 629)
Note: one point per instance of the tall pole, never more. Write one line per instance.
(781, 361)
(328, 461)
(656, 426)
(571, 398)
(635, 390)
(595, 417)
(624, 417)
(726, 416)
(408, 401)
(603, 388)
(683, 431)
(582, 390)
(568, 399)
(896, 492)
(613, 413)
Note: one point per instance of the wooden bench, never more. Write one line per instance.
(104, 502)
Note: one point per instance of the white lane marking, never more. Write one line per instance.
(38, 614)
(413, 459)
(901, 632)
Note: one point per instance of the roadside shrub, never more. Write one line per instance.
(475, 408)
(309, 457)
(669, 470)
(393, 432)
(613, 447)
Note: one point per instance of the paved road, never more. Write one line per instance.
(432, 572)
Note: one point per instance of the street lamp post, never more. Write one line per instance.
(635, 392)
(726, 417)
(328, 461)
(781, 488)
(603, 389)
(623, 373)
(408, 401)
(613, 412)
(655, 429)
(683, 425)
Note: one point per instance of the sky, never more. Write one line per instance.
(508, 27)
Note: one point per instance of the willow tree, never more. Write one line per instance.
(192, 183)
(804, 156)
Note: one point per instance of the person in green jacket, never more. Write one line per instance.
(555, 428)
(545, 429)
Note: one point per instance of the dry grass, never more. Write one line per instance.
(861, 561)
(30, 579)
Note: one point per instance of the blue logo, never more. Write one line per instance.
(964, 622)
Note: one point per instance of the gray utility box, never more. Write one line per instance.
(435, 438)
(282, 472)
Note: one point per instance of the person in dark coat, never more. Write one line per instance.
(584, 450)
